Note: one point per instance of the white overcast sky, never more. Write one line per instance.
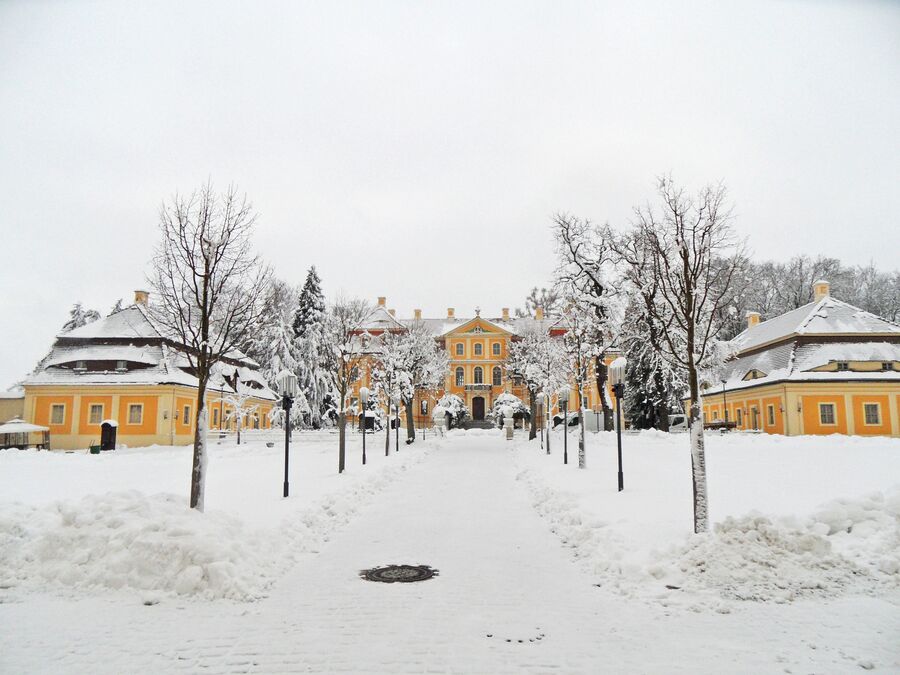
(417, 150)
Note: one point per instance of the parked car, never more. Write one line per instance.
(678, 423)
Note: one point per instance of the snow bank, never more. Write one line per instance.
(848, 546)
(156, 546)
(638, 543)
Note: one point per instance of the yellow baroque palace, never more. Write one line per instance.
(119, 381)
(477, 347)
(825, 368)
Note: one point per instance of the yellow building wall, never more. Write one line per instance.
(159, 425)
(796, 407)
(11, 408)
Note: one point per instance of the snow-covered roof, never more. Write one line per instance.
(381, 319)
(516, 326)
(20, 426)
(129, 323)
(790, 361)
(826, 317)
(103, 352)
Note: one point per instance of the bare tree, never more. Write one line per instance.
(346, 342)
(694, 259)
(540, 361)
(586, 262)
(547, 299)
(209, 286)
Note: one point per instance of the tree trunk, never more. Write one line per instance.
(342, 437)
(198, 466)
(698, 457)
(532, 399)
(410, 421)
(602, 374)
(662, 408)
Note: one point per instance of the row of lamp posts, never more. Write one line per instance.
(617, 380)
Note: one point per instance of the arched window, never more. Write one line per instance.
(459, 348)
(496, 376)
(479, 375)
(460, 377)
(496, 348)
(479, 349)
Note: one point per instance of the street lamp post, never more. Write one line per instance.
(539, 411)
(363, 399)
(287, 382)
(547, 422)
(725, 402)
(617, 378)
(564, 404)
(397, 425)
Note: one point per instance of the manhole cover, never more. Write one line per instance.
(399, 573)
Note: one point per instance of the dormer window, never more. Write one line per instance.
(121, 366)
(81, 365)
(843, 365)
(887, 365)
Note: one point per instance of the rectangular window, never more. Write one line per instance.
(872, 413)
(843, 365)
(135, 413)
(740, 417)
(460, 377)
(478, 349)
(58, 413)
(826, 413)
(887, 365)
(715, 414)
(424, 407)
(770, 415)
(80, 365)
(121, 365)
(186, 415)
(496, 348)
(215, 417)
(95, 416)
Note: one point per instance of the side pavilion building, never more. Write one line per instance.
(825, 368)
(121, 381)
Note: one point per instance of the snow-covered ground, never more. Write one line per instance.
(543, 567)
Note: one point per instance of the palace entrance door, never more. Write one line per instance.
(478, 409)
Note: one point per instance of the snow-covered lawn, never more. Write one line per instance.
(119, 519)
(792, 517)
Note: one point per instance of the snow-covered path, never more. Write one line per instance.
(509, 598)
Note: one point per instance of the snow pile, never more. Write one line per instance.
(156, 546)
(848, 546)
(636, 548)
(130, 540)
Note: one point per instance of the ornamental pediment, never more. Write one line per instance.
(478, 326)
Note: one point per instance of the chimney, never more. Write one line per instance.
(539, 313)
(821, 289)
(418, 314)
(141, 297)
(451, 313)
(392, 312)
(752, 319)
(506, 313)
(382, 301)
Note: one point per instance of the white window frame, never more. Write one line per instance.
(877, 422)
(139, 406)
(833, 407)
(91, 407)
(53, 408)
(460, 375)
(496, 376)
(460, 349)
(496, 349)
(479, 349)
